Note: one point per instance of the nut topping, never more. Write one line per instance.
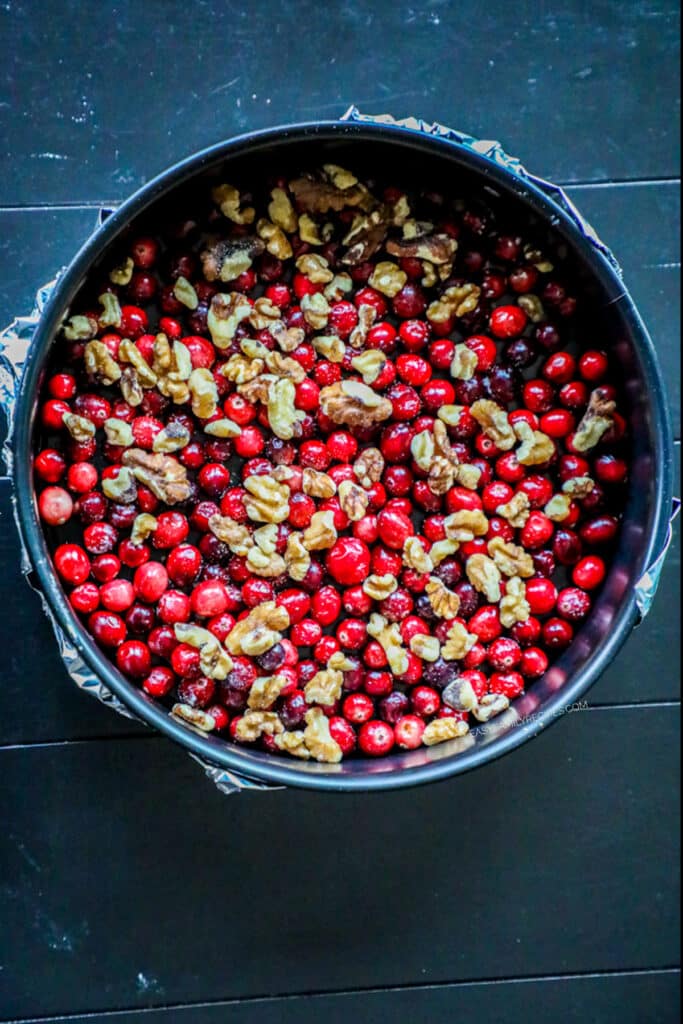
(514, 606)
(163, 475)
(379, 587)
(354, 404)
(318, 740)
(458, 643)
(320, 534)
(442, 729)
(369, 467)
(511, 559)
(324, 688)
(516, 510)
(494, 422)
(484, 575)
(100, 363)
(427, 648)
(353, 500)
(267, 500)
(444, 602)
(596, 421)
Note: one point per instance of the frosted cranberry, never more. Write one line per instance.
(376, 738)
(510, 684)
(173, 606)
(485, 623)
(437, 393)
(449, 572)
(185, 661)
(50, 466)
(397, 605)
(72, 563)
(150, 581)
(159, 682)
(133, 658)
(600, 530)
(117, 595)
(593, 365)
(408, 732)
(541, 595)
(250, 442)
(356, 602)
(55, 506)
(493, 286)
(121, 516)
(409, 302)
(507, 321)
(357, 708)
(352, 634)
(81, 477)
(425, 701)
(343, 734)
(557, 634)
(255, 591)
(100, 538)
(537, 531)
(414, 334)
(342, 319)
(108, 628)
(348, 561)
(573, 603)
(314, 454)
(183, 564)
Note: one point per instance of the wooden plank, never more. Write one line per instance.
(130, 881)
(580, 92)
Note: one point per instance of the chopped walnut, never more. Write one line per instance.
(254, 724)
(223, 428)
(422, 449)
(266, 565)
(558, 508)
(455, 301)
(80, 427)
(597, 419)
(369, 467)
(354, 404)
(516, 510)
(143, 527)
(466, 524)
(259, 630)
(451, 414)
(460, 695)
(165, 477)
(514, 606)
(234, 534)
(283, 416)
(267, 500)
(366, 318)
(444, 602)
(318, 485)
(415, 556)
(353, 500)
(318, 738)
(225, 314)
(293, 743)
(464, 362)
(288, 338)
(387, 278)
(338, 287)
(438, 249)
(389, 636)
(316, 310)
(441, 474)
(427, 648)
(430, 276)
(468, 476)
(308, 230)
(172, 438)
(277, 243)
(130, 353)
(369, 364)
(185, 293)
(297, 558)
(458, 643)
(533, 307)
(490, 705)
(325, 687)
(511, 559)
(120, 488)
(240, 369)
(493, 420)
(320, 533)
(228, 199)
(536, 447)
(442, 729)
(131, 388)
(224, 260)
(194, 717)
(111, 310)
(578, 487)
(330, 347)
(214, 661)
(202, 388)
(379, 587)
(315, 196)
(283, 366)
(365, 236)
(484, 575)
(118, 432)
(441, 549)
(173, 367)
(281, 211)
(265, 691)
(80, 328)
(100, 363)
(537, 259)
(315, 267)
(263, 314)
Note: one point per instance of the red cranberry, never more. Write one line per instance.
(357, 708)
(133, 658)
(557, 634)
(55, 506)
(573, 604)
(150, 581)
(375, 737)
(408, 732)
(348, 561)
(107, 628)
(507, 321)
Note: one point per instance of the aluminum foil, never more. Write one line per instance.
(16, 338)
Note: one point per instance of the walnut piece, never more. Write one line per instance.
(130, 353)
(194, 717)
(266, 565)
(100, 363)
(379, 587)
(283, 416)
(427, 648)
(228, 199)
(283, 366)
(143, 527)
(484, 575)
(281, 211)
(263, 314)
(365, 236)
(415, 556)
(111, 310)
(490, 705)
(318, 485)
(451, 414)
(438, 249)
(297, 558)
(254, 724)
(80, 328)
(366, 318)
(214, 661)
(514, 606)
(354, 404)
(172, 438)
(165, 477)
(464, 363)
(184, 292)
(511, 559)
(80, 427)
(265, 691)
(536, 447)
(466, 524)
(318, 738)
(444, 602)
(578, 487)
(369, 364)
(293, 743)
(225, 260)
(493, 420)
(422, 448)
(267, 500)
(257, 632)
(533, 307)
(118, 432)
(320, 532)
(460, 695)
(338, 287)
(558, 508)
(441, 474)
(234, 534)
(315, 196)
(596, 421)
(441, 549)
(325, 687)
(120, 488)
(315, 267)
(225, 314)
(223, 428)
(316, 310)
(389, 636)
(202, 388)
(387, 278)
(277, 243)
(353, 500)
(241, 369)
(516, 510)
(442, 729)
(458, 643)
(330, 347)
(455, 301)
(369, 467)
(131, 389)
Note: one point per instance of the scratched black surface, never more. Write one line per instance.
(126, 881)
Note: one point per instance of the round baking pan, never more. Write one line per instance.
(426, 161)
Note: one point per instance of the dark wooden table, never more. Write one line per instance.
(543, 887)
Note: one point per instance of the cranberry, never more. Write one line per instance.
(511, 684)
(55, 506)
(557, 634)
(504, 654)
(507, 321)
(348, 561)
(343, 734)
(541, 595)
(357, 708)
(107, 628)
(375, 737)
(50, 466)
(425, 701)
(600, 530)
(72, 563)
(150, 581)
(117, 595)
(408, 732)
(409, 302)
(573, 603)
(85, 598)
(134, 659)
(394, 706)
